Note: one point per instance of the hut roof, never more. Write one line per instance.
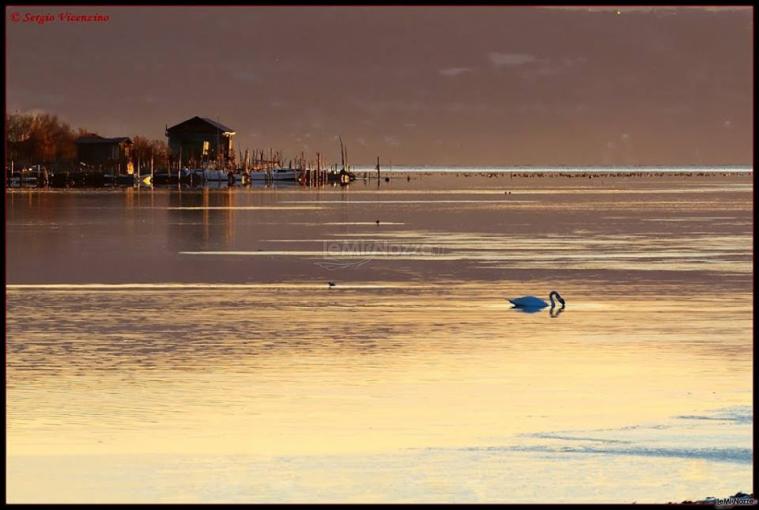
(195, 121)
(93, 138)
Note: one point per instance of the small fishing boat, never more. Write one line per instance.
(115, 179)
(277, 174)
(125, 180)
(165, 178)
(343, 176)
(203, 174)
(215, 175)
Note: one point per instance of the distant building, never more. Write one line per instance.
(200, 140)
(102, 153)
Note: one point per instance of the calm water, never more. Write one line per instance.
(184, 346)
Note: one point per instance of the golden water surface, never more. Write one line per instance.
(183, 345)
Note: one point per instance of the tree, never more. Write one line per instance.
(42, 138)
(39, 138)
(143, 149)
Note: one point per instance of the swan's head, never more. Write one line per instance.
(558, 297)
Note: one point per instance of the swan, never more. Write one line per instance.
(534, 303)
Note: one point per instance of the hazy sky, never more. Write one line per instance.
(417, 85)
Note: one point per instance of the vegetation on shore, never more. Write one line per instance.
(44, 139)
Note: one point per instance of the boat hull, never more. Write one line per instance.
(276, 175)
(205, 175)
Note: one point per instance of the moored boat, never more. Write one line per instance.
(200, 175)
(277, 174)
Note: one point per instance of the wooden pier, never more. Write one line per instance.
(258, 165)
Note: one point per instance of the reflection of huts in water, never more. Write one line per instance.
(199, 217)
(198, 141)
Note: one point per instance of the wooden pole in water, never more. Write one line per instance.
(378, 169)
(342, 152)
(318, 165)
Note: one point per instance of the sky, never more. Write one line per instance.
(474, 86)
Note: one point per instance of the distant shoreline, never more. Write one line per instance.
(532, 169)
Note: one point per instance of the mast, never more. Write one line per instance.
(342, 152)
(218, 148)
